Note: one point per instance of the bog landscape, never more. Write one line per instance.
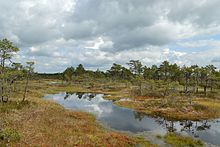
(162, 101)
(110, 73)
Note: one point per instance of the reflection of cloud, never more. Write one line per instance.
(99, 106)
(96, 105)
(94, 108)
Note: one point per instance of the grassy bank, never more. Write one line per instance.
(38, 122)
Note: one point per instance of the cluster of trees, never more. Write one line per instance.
(47, 76)
(79, 74)
(10, 71)
(165, 76)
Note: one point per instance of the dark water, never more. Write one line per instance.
(124, 119)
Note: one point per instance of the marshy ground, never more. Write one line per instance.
(38, 122)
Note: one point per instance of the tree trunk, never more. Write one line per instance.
(205, 90)
(140, 88)
(197, 84)
(26, 86)
(3, 80)
(186, 86)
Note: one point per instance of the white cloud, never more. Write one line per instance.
(61, 33)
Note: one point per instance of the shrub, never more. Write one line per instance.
(9, 135)
(181, 141)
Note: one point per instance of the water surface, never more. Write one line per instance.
(124, 119)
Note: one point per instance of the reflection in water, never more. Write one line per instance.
(128, 120)
(139, 115)
(191, 127)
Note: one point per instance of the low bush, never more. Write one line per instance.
(177, 140)
(9, 135)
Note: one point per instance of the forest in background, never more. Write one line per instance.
(161, 80)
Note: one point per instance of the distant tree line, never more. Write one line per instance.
(165, 76)
(37, 75)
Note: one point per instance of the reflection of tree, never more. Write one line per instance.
(204, 126)
(161, 121)
(169, 125)
(139, 115)
(187, 126)
(80, 94)
(91, 96)
(70, 93)
(66, 96)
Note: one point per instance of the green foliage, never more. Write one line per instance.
(99, 74)
(181, 141)
(164, 69)
(80, 70)
(135, 67)
(115, 71)
(68, 73)
(7, 74)
(9, 135)
(7, 49)
(10, 71)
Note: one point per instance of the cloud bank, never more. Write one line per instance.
(60, 33)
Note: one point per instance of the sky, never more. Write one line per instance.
(56, 34)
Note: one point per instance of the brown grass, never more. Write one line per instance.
(45, 123)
